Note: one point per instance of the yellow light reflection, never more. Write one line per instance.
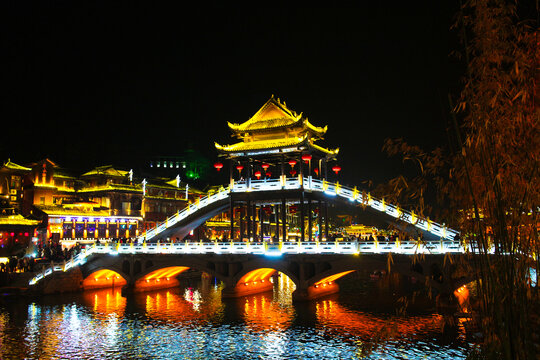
(333, 316)
(169, 305)
(263, 314)
(105, 301)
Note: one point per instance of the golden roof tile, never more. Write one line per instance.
(261, 144)
(17, 220)
(273, 114)
(12, 166)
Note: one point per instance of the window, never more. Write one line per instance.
(126, 207)
(15, 182)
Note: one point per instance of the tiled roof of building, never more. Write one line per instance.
(274, 144)
(262, 144)
(107, 170)
(113, 187)
(17, 220)
(273, 115)
(12, 166)
(60, 210)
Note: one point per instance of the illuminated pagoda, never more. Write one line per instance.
(276, 142)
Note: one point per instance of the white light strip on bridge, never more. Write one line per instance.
(309, 184)
(259, 248)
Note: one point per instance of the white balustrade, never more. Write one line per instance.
(258, 248)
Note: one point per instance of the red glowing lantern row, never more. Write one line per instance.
(218, 166)
(336, 169)
(292, 163)
(258, 174)
(265, 166)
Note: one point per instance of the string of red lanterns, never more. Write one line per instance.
(258, 174)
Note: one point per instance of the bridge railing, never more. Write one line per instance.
(308, 183)
(256, 248)
(306, 247)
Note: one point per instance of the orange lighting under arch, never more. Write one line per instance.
(332, 278)
(160, 279)
(261, 274)
(103, 278)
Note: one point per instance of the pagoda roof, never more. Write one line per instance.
(72, 211)
(17, 220)
(107, 170)
(12, 166)
(273, 115)
(112, 187)
(274, 144)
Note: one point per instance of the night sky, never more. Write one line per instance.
(90, 83)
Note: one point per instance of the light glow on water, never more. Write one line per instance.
(193, 322)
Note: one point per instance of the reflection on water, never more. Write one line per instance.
(193, 322)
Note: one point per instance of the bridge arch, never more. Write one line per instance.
(104, 278)
(255, 278)
(159, 279)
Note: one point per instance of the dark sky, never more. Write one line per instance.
(91, 83)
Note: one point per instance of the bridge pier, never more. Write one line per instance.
(244, 289)
(314, 292)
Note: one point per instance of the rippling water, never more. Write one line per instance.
(194, 323)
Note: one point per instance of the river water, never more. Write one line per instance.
(193, 322)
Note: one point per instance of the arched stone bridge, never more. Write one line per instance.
(312, 267)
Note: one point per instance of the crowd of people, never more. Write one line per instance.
(45, 253)
(15, 264)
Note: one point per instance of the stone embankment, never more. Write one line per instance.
(59, 282)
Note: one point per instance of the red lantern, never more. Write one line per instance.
(336, 169)
(292, 172)
(265, 166)
(293, 209)
(306, 158)
(292, 163)
(218, 166)
(268, 174)
(316, 171)
(239, 168)
(257, 174)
